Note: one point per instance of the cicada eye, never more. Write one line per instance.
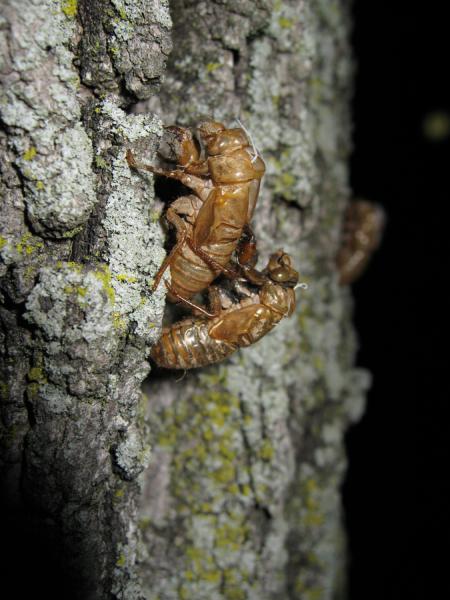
(280, 275)
(286, 260)
(274, 262)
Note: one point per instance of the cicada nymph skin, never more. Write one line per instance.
(209, 223)
(362, 232)
(199, 341)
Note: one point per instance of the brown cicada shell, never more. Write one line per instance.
(211, 222)
(362, 232)
(197, 342)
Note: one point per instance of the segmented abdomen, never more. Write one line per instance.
(187, 345)
(226, 214)
(190, 274)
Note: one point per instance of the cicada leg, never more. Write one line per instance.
(214, 265)
(214, 299)
(247, 255)
(199, 186)
(131, 160)
(186, 302)
(182, 234)
(246, 251)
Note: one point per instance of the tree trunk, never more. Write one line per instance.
(224, 485)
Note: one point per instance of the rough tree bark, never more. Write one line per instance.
(224, 485)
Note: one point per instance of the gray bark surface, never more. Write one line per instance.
(224, 485)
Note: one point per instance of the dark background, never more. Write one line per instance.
(396, 495)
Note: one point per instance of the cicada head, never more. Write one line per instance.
(280, 270)
(221, 141)
(179, 145)
(278, 292)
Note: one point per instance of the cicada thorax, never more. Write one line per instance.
(280, 300)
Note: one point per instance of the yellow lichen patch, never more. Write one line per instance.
(100, 162)
(225, 473)
(246, 490)
(313, 559)
(30, 153)
(119, 493)
(201, 567)
(235, 593)
(314, 519)
(311, 486)
(317, 362)
(4, 390)
(144, 523)
(300, 585)
(266, 451)
(284, 185)
(231, 536)
(32, 390)
(212, 66)
(37, 374)
(212, 576)
(208, 467)
(69, 8)
(28, 244)
(311, 503)
(74, 266)
(315, 593)
(127, 278)
(287, 179)
(40, 185)
(3, 242)
(118, 322)
(285, 23)
(121, 561)
(168, 437)
(103, 274)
